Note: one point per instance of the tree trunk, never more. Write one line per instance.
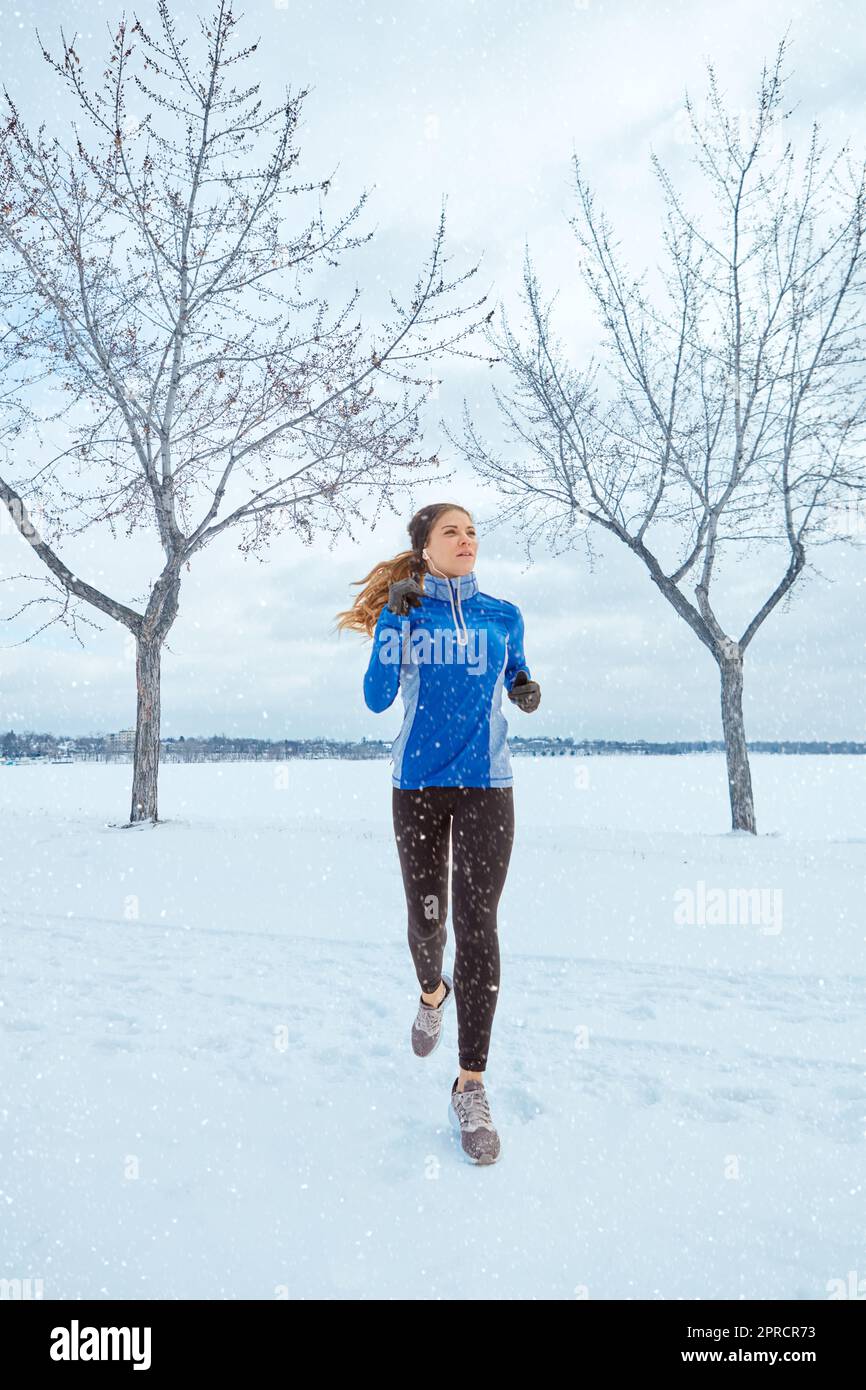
(146, 757)
(736, 750)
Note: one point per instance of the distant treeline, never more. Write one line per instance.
(117, 747)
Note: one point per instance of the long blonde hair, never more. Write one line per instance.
(368, 604)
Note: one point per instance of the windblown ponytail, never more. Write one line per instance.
(364, 613)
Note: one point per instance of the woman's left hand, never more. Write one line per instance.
(525, 693)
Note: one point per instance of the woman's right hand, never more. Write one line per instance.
(404, 595)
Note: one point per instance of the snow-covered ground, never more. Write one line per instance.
(208, 1089)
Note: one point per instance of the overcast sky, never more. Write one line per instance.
(484, 102)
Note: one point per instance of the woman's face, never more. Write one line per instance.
(452, 544)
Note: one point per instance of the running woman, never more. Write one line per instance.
(451, 650)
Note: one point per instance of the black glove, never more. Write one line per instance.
(525, 693)
(404, 595)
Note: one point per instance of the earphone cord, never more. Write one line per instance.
(462, 638)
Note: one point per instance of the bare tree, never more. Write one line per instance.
(156, 278)
(729, 420)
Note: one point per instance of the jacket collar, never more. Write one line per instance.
(462, 587)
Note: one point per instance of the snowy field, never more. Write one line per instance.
(208, 1089)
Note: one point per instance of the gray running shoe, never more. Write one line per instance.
(469, 1112)
(427, 1028)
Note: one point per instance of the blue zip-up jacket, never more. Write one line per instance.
(451, 675)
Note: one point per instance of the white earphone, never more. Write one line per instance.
(462, 637)
(426, 555)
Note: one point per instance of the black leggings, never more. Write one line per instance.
(480, 823)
